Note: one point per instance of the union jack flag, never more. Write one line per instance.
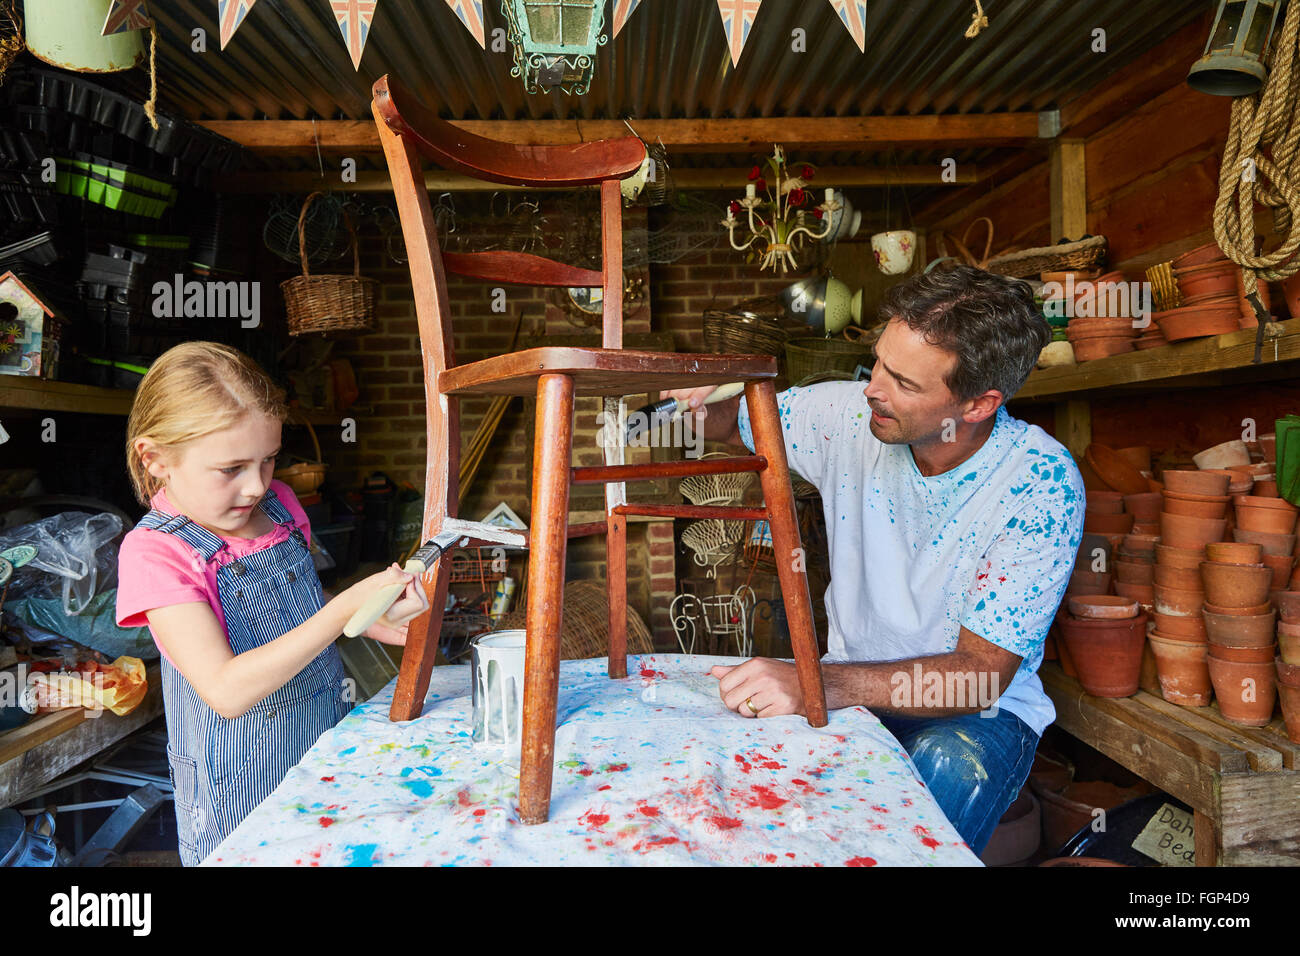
(854, 15)
(124, 15)
(230, 14)
(737, 20)
(354, 18)
(622, 10)
(471, 14)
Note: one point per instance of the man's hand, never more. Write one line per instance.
(760, 687)
(717, 422)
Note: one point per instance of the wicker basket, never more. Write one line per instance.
(304, 478)
(1067, 256)
(809, 357)
(584, 631)
(742, 333)
(328, 304)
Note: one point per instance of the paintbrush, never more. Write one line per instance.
(668, 410)
(453, 530)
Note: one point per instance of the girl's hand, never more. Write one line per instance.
(409, 605)
(359, 593)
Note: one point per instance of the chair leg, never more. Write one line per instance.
(765, 422)
(420, 651)
(548, 540)
(616, 571)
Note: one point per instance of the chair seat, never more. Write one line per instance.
(602, 371)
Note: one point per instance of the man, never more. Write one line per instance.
(952, 531)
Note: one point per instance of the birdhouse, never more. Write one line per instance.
(29, 331)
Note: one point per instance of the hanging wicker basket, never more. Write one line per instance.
(305, 477)
(808, 357)
(329, 304)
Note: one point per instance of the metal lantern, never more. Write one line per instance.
(555, 42)
(1233, 63)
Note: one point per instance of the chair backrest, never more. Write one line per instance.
(410, 133)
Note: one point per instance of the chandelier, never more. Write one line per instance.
(779, 219)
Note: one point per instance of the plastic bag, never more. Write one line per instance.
(119, 686)
(75, 552)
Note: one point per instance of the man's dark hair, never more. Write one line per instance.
(989, 321)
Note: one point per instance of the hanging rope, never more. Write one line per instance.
(150, 107)
(10, 46)
(1260, 166)
(978, 22)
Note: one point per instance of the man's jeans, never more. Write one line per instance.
(973, 766)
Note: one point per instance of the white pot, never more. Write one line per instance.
(65, 33)
(894, 250)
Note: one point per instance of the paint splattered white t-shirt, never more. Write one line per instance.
(988, 545)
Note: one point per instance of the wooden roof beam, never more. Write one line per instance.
(824, 133)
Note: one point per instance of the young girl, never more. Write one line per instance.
(220, 571)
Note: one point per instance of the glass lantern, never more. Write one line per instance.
(1233, 62)
(555, 42)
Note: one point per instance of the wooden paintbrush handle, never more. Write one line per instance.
(377, 604)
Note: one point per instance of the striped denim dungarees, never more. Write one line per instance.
(222, 768)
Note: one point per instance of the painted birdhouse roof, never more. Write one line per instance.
(9, 281)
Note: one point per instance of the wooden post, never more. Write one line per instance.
(1074, 426)
(1069, 202)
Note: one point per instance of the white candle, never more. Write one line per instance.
(749, 191)
(830, 194)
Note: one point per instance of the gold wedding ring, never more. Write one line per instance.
(749, 702)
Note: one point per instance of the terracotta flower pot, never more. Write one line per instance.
(1197, 482)
(1249, 319)
(1177, 600)
(1211, 278)
(1290, 697)
(1232, 552)
(1107, 654)
(1139, 456)
(1265, 488)
(1210, 252)
(1256, 469)
(1243, 653)
(1185, 531)
(1288, 607)
(1068, 812)
(1144, 507)
(1091, 349)
(1107, 523)
(1269, 520)
(1268, 446)
(1224, 455)
(1197, 321)
(1254, 630)
(1134, 572)
(1104, 502)
(1288, 646)
(1067, 662)
(1246, 692)
(1144, 544)
(1111, 467)
(1179, 627)
(1102, 607)
(1235, 585)
(1169, 557)
(1288, 674)
(1271, 543)
(1183, 672)
(1198, 506)
(1187, 579)
(1281, 566)
(1144, 594)
(1088, 582)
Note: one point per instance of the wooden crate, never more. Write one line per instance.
(1243, 783)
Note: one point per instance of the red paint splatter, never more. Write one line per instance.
(326, 779)
(594, 820)
(725, 823)
(927, 841)
(744, 764)
(615, 767)
(462, 798)
(767, 799)
(880, 809)
(790, 855)
(769, 858)
(606, 786)
(586, 772)
(653, 674)
(480, 812)
(326, 821)
(860, 861)
(655, 841)
(647, 811)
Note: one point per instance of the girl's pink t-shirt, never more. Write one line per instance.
(156, 569)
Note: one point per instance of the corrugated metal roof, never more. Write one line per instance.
(287, 60)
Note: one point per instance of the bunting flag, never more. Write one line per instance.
(471, 14)
(354, 18)
(854, 15)
(737, 21)
(124, 15)
(622, 10)
(230, 14)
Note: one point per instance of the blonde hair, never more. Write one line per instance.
(190, 391)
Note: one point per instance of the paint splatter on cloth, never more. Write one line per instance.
(988, 545)
(650, 770)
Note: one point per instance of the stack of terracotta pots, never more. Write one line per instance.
(1135, 567)
(1106, 331)
(1288, 661)
(1105, 636)
(1239, 620)
(1212, 290)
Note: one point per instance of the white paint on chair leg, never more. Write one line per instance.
(615, 451)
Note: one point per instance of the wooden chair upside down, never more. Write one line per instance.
(411, 133)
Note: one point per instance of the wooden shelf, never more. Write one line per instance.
(1171, 365)
(18, 391)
